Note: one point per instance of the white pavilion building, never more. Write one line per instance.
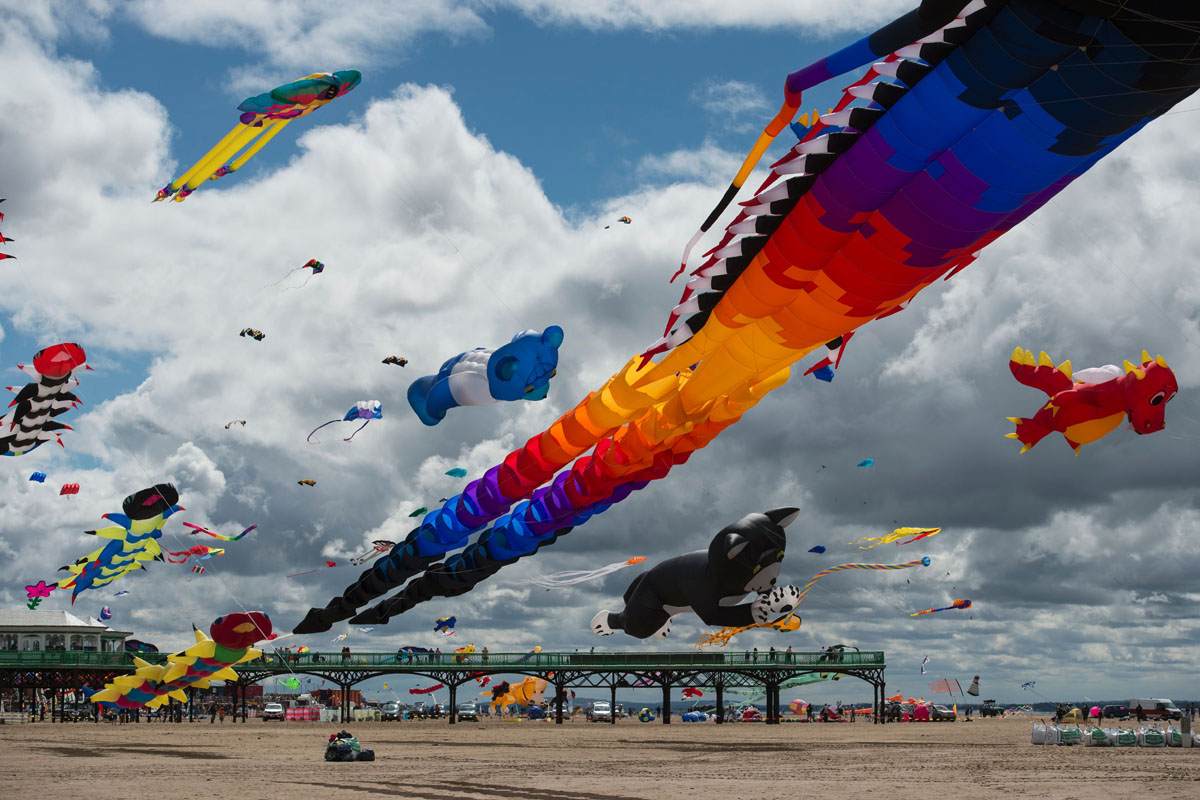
(22, 629)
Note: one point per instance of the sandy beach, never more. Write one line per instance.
(580, 761)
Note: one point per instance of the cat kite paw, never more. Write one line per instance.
(664, 631)
(775, 604)
(600, 624)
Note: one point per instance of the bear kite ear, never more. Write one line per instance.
(734, 544)
(506, 367)
(552, 336)
(783, 516)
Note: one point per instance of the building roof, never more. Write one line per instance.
(24, 619)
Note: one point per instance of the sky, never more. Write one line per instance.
(461, 194)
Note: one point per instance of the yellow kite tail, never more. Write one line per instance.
(220, 146)
(275, 127)
(215, 157)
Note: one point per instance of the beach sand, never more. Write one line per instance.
(496, 760)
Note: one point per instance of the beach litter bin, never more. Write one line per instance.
(1096, 737)
(1174, 737)
(1070, 734)
(1123, 737)
(1044, 734)
(1151, 737)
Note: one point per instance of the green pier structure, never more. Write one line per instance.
(57, 672)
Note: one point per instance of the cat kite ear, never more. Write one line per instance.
(734, 544)
(783, 516)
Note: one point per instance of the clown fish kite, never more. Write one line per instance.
(366, 410)
(1088, 404)
(263, 117)
(30, 421)
(199, 552)
(519, 370)
(957, 121)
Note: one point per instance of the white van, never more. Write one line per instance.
(601, 711)
(1154, 708)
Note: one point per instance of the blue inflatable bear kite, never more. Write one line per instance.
(521, 369)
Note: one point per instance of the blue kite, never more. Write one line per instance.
(519, 370)
(40, 477)
(365, 410)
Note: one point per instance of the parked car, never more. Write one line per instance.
(1115, 712)
(389, 710)
(601, 711)
(942, 714)
(990, 709)
(273, 711)
(468, 712)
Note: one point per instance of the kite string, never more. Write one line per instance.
(791, 622)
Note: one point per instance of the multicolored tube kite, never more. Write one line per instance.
(971, 118)
(263, 116)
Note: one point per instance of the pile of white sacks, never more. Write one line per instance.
(1146, 736)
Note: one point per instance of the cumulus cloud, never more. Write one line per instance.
(731, 101)
(436, 242)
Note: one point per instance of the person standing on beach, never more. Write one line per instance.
(1141, 715)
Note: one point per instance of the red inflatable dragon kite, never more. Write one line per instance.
(1091, 403)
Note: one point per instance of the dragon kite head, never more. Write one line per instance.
(59, 360)
(1148, 389)
(149, 503)
(240, 630)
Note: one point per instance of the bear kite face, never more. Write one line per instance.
(522, 369)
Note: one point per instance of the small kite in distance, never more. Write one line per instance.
(378, 548)
(445, 625)
(316, 266)
(866, 462)
(233, 422)
(40, 477)
(256, 335)
(457, 472)
(895, 536)
(365, 410)
(559, 580)
(625, 220)
(307, 482)
(328, 564)
(105, 614)
(420, 511)
(397, 360)
(197, 529)
(819, 549)
(957, 604)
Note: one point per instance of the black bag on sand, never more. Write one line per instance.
(366, 755)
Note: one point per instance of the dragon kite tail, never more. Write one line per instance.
(1040, 373)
